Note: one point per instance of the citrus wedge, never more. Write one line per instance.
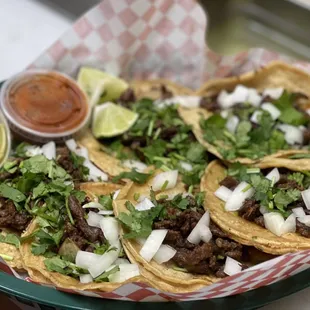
(3, 142)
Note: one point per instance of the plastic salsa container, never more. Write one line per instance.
(5, 139)
(44, 105)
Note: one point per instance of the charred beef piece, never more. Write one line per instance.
(249, 210)
(5, 176)
(286, 183)
(260, 221)
(11, 218)
(229, 248)
(64, 160)
(165, 92)
(302, 229)
(230, 182)
(75, 235)
(216, 231)
(127, 97)
(306, 135)
(92, 234)
(209, 103)
(168, 133)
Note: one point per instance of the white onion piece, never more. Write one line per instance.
(126, 272)
(274, 93)
(195, 235)
(82, 151)
(224, 113)
(86, 278)
(223, 193)
(308, 111)
(142, 197)
(95, 174)
(292, 134)
(161, 178)
(289, 225)
(33, 150)
(164, 254)
(273, 175)
(306, 197)
(186, 166)
(238, 196)
(121, 261)
(141, 241)
(116, 193)
(110, 229)
(205, 233)
(225, 100)
(189, 102)
(299, 212)
(240, 94)
(93, 205)
(232, 266)
(232, 124)
(49, 150)
(85, 259)
(263, 210)
(134, 164)
(105, 261)
(145, 204)
(274, 222)
(106, 212)
(305, 220)
(71, 145)
(271, 109)
(256, 117)
(254, 98)
(153, 243)
(94, 219)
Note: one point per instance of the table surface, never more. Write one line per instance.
(28, 28)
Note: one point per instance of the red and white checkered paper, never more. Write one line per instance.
(139, 39)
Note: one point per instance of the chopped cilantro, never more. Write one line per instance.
(10, 239)
(105, 276)
(9, 192)
(106, 201)
(133, 175)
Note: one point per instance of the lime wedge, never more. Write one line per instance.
(110, 120)
(3, 142)
(100, 86)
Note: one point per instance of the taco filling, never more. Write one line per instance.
(252, 124)
(179, 233)
(158, 137)
(276, 199)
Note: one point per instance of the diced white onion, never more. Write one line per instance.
(94, 219)
(93, 205)
(289, 225)
(71, 145)
(116, 193)
(161, 178)
(153, 243)
(189, 102)
(195, 235)
(306, 197)
(186, 166)
(95, 174)
(224, 113)
(33, 150)
(274, 93)
(238, 196)
(141, 241)
(299, 212)
(205, 233)
(232, 124)
(263, 210)
(292, 134)
(308, 111)
(274, 222)
(254, 98)
(82, 151)
(85, 259)
(164, 254)
(232, 266)
(121, 261)
(86, 278)
(255, 118)
(223, 193)
(126, 272)
(49, 150)
(271, 109)
(110, 229)
(106, 212)
(273, 175)
(224, 100)
(105, 261)
(145, 204)
(134, 164)
(305, 220)
(240, 94)
(142, 197)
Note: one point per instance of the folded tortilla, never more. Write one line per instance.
(239, 229)
(276, 74)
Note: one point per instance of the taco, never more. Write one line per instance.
(256, 117)
(158, 137)
(173, 238)
(264, 208)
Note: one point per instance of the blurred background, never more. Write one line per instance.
(234, 25)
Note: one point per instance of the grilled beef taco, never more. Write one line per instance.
(172, 237)
(255, 118)
(158, 137)
(264, 208)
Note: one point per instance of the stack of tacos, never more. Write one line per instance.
(148, 205)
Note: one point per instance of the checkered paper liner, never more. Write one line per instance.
(140, 39)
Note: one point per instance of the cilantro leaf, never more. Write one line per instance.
(300, 156)
(106, 201)
(196, 153)
(105, 276)
(283, 198)
(39, 249)
(297, 177)
(133, 175)
(156, 149)
(9, 192)
(10, 239)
